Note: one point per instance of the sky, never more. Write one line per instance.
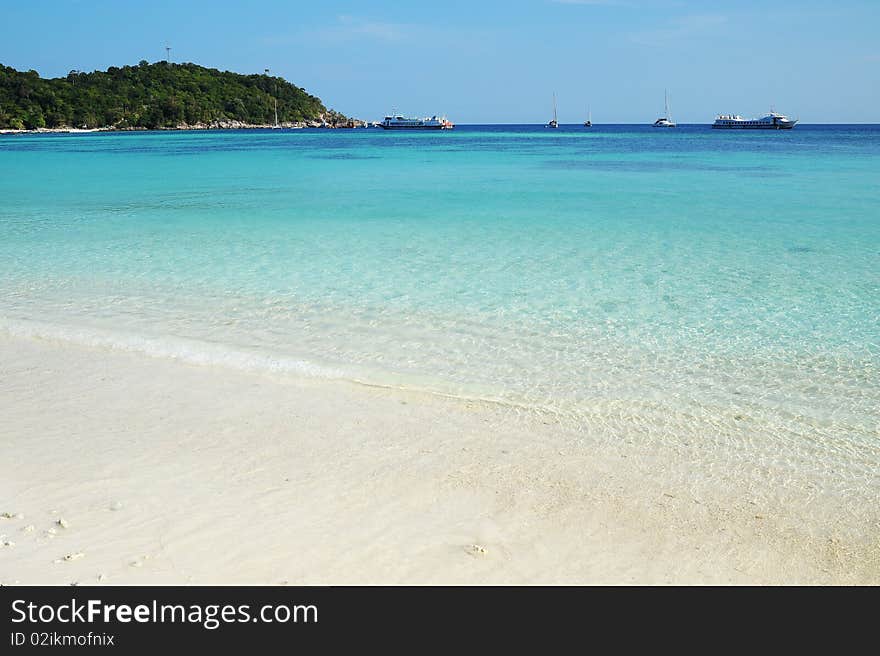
(491, 62)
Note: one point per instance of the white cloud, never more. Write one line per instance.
(679, 29)
(347, 29)
(352, 27)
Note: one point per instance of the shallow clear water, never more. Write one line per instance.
(679, 282)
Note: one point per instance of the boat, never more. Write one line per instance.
(277, 125)
(772, 121)
(665, 121)
(589, 122)
(402, 123)
(553, 123)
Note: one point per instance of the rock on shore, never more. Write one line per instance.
(224, 124)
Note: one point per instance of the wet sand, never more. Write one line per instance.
(122, 468)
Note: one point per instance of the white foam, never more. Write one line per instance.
(204, 353)
(175, 348)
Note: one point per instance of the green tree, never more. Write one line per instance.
(150, 96)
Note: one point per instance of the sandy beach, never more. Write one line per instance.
(120, 468)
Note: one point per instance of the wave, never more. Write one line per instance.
(205, 353)
(191, 351)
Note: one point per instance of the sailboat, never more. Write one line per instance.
(589, 122)
(554, 123)
(666, 121)
(277, 125)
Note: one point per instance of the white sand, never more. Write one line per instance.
(120, 468)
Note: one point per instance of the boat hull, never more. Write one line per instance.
(779, 125)
(415, 127)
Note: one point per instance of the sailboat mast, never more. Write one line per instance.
(276, 111)
(554, 108)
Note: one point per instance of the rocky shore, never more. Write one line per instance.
(238, 125)
(226, 124)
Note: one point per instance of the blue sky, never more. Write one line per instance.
(492, 62)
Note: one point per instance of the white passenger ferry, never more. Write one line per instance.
(772, 121)
(403, 123)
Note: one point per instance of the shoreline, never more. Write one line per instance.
(216, 125)
(127, 468)
(176, 129)
(358, 125)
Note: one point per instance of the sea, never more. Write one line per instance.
(679, 287)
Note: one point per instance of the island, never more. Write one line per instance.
(155, 96)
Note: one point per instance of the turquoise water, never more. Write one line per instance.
(684, 281)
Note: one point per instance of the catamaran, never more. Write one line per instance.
(665, 121)
(554, 123)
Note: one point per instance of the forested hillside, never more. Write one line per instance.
(150, 96)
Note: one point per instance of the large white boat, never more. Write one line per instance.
(403, 123)
(665, 121)
(772, 121)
